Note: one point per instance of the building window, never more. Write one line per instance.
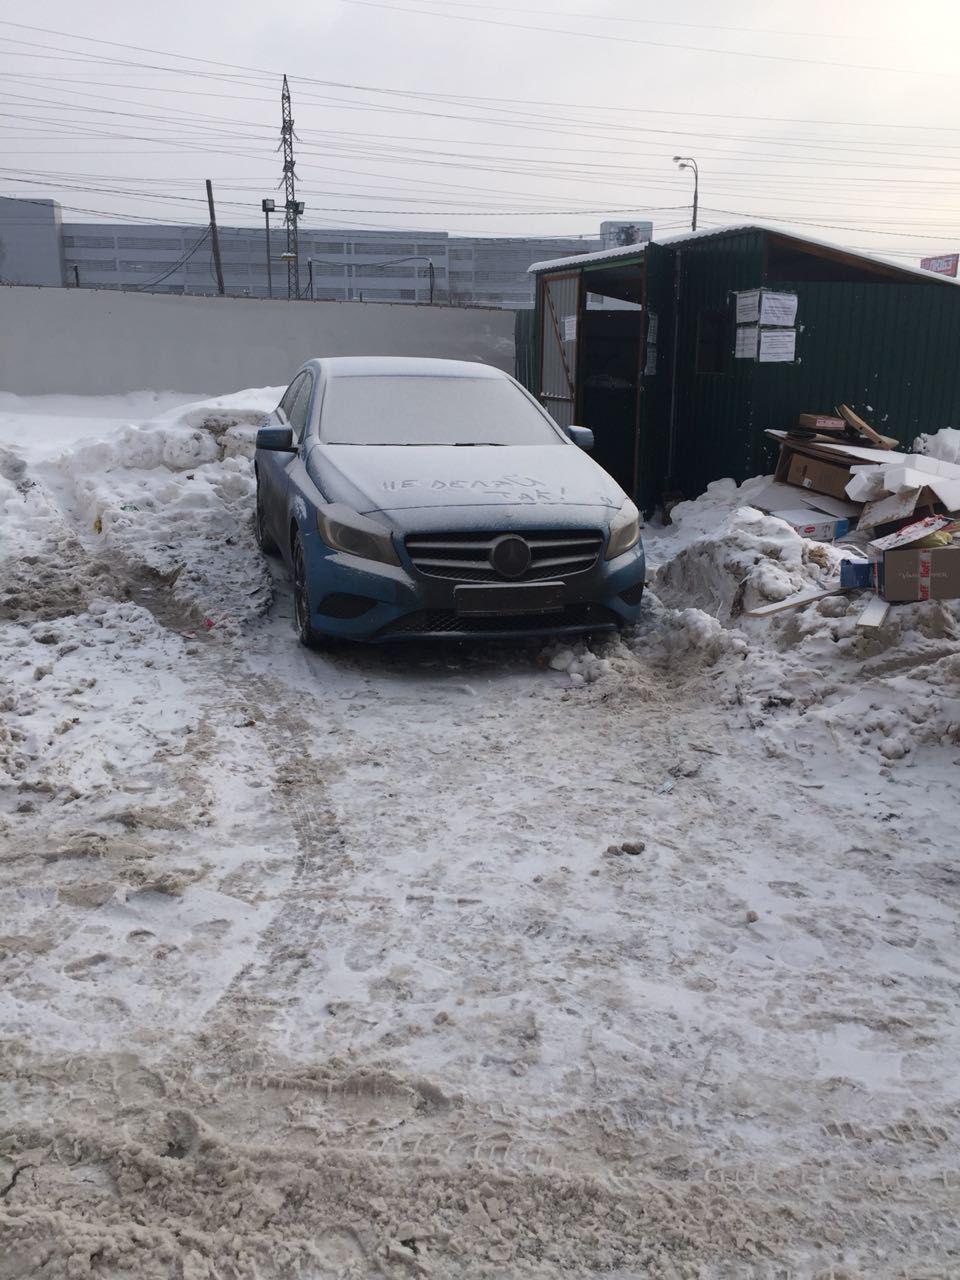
(373, 249)
(711, 331)
(88, 267)
(88, 242)
(141, 242)
(151, 266)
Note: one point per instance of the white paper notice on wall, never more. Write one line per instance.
(746, 348)
(569, 328)
(653, 325)
(778, 346)
(748, 307)
(778, 308)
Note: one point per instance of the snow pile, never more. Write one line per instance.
(40, 426)
(943, 445)
(173, 499)
(749, 560)
(808, 678)
(694, 519)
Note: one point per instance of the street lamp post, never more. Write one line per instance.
(688, 162)
(414, 257)
(268, 207)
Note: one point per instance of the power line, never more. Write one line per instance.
(176, 266)
(448, 97)
(655, 44)
(650, 22)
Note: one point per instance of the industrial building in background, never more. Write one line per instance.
(38, 247)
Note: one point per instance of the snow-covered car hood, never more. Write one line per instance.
(373, 478)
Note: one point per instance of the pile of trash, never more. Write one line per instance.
(893, 516)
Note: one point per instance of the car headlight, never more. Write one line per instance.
(624, 530)
(346, 530)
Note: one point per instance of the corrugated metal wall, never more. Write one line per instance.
(560, 308)
(887, 349)
(714, 419)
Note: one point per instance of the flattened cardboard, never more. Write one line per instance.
(911, 533)
(896, 506)
(848, 452)
(813, 524)
(784, 497)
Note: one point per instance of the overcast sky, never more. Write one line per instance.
(531, 118)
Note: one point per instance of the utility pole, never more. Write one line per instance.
(76, 276)
(216, 239)
(293, 207)
(310, 285)
(268, 207)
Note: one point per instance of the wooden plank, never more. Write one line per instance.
(874, 614)
(792, 602)
(858, 424)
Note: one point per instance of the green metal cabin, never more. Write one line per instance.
(679, 393)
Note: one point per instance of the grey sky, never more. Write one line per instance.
(529, 131)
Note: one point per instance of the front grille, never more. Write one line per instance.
(465, 557)
(446, 622)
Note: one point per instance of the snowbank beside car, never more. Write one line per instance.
(809, 679)
(175, 496)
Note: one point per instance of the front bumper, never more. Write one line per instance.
(398, 602)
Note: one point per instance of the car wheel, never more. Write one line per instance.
(301, 600)
(265, 540)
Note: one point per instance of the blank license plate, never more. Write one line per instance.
(539, 597)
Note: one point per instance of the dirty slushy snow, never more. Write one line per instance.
(635, 958)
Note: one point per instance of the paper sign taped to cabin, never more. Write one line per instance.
(569, 328)
(778, 308)
(748, 306)
(778, 346)
(747, 338)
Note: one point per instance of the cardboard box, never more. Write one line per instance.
(820, 422)
(814, 524)
(858, 575)
(819, 474)
(910, 573)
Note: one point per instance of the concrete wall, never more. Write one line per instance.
(30, 248)
(93, 342)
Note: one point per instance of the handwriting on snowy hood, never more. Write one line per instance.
(517, 488)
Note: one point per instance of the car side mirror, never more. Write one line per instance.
(276, 439)
(581, 436)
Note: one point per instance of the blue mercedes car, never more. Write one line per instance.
(416, 498)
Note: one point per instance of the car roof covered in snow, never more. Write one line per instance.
(706, 233)
(404, 367)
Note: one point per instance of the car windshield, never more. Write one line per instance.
(415, 410)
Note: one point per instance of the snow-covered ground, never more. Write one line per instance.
(635, 959)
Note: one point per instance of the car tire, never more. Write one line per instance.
(301, 599)
(265, 540)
